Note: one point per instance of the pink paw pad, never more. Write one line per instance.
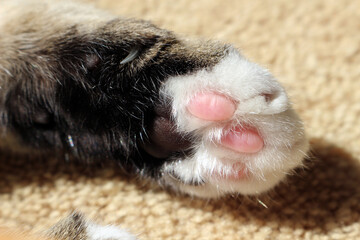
(211, 107)
(243, 140)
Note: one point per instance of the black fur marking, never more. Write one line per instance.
(74, 94)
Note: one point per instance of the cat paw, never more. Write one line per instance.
(244, 135)
(195, 115)
(76, 226)
(98, 232)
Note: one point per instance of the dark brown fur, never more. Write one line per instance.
(72, 227)
(64, 88)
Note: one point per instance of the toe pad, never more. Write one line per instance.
(211, 107)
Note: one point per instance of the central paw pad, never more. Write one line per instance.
(243, 140)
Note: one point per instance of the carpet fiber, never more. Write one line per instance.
(313, 47)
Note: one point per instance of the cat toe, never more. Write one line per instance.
(211, 106)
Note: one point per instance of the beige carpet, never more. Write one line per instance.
(313, 47)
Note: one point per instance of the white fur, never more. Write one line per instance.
(261, 103)
(98, 232)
